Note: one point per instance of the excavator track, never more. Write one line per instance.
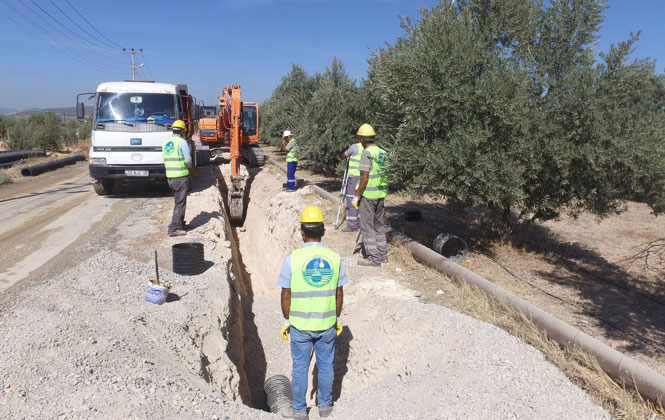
(253, 155)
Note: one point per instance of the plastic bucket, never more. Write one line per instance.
(278, 393)
(188, 258)
(156, 293)
(451, 247)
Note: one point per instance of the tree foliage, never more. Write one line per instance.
(502, 105)
(323, 111)
(46, 132)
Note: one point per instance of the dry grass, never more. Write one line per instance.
(581, 368)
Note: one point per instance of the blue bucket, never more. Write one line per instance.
(156, 293)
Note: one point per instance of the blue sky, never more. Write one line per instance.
(211, 44)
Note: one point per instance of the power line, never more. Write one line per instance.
(90, 24)
(101, 43)
(55, 42)
(147, 66)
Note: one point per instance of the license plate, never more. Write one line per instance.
(136, 173)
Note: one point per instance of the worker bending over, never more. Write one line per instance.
(373, 188)
(177, 160)
(353, 153)
(289, 144)
(312, 280)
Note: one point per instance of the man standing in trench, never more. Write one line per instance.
(289, 144)
(373, 188)
(312, 280)
(353, 153)
(177, 160)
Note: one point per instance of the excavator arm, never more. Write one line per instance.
(230, 129)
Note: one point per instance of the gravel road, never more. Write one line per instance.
(79, 341)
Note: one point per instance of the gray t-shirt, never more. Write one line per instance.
(365, 164)
(352, 150)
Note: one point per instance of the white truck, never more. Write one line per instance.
(130, 121)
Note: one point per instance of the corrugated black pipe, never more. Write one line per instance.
(19, 154)
(49, 166)
(649, 383)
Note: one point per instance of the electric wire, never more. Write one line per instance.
(147, 66)
(648, 341)
(82, 40)
(55, 42)
(99, 61)
(101, 43)
(90, 24)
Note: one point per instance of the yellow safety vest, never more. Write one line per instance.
(354, 161)
(291, 155)
(174, 161)
(314, 278)
(377, 184)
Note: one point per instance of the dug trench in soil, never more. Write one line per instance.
(397, 357)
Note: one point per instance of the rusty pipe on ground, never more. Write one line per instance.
(623, 369)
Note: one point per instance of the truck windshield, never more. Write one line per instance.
(135, 107)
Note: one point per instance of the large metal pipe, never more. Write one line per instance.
(49, 166)
(649, 383)
(11, 156)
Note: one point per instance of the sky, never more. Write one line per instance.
(210, 44)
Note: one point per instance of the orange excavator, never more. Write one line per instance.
(236, 128)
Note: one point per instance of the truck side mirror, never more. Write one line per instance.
(80, 111)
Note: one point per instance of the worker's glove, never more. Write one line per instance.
(285, 329)
(339, 328)
(355, 201)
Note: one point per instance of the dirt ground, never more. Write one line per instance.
(575, 269)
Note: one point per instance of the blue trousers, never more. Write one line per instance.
(324, 348)
(291, 175)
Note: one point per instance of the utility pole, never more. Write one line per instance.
(133, 53)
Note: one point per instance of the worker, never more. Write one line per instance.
(353, 153)
(289, 144)
(373, 188)
(312, 280)
(177, 160)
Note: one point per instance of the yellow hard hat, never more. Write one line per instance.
(366, 130)
(179, 124)
(312, 214)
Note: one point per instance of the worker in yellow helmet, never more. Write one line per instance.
(312, 280)
(372, 190)
(177, 159)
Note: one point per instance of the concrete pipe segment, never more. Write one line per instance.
(618, 366)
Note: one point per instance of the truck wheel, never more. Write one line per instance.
(103, 186)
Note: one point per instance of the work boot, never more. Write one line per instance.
(325, 410)
(348, 229)
(369, 263)
(178, 232)
(289, 413)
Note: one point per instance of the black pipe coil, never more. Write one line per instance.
(19, 154)
(188, 258)
(49, 166)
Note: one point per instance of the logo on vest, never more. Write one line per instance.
(381, 159)
(317, 272)
(168, 148)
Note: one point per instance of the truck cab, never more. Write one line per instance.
(130, 122)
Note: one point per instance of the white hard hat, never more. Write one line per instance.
(287, 133)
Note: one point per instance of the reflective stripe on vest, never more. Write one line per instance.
(291, 155)
(377, 184)
(354, 161)
(174, 161)
(314, 278)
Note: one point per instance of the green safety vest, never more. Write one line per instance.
(377, 184)
(291, 155)
(354, 161)
(174, 161)
(314, 278)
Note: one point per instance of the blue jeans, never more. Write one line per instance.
(301, 347)
(291, 175)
